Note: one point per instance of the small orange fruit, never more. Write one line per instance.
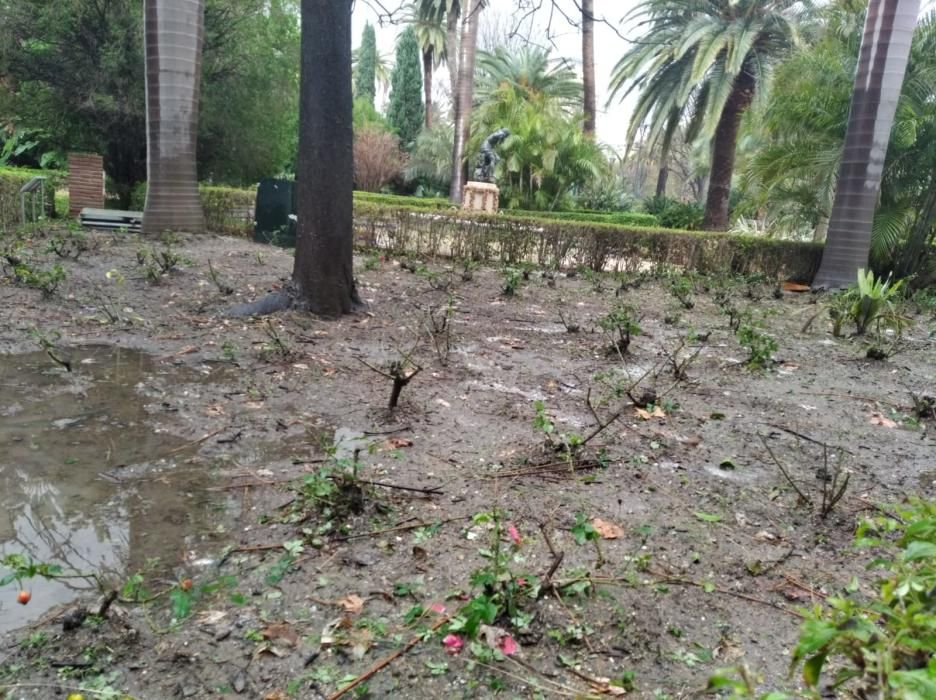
(23, 597)
(186, 584)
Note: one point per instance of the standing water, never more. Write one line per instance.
(67, 443)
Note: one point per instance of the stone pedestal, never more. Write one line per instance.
(481, 196)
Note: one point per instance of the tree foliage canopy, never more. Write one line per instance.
(405, 111)
(73, 78)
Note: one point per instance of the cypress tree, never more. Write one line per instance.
(405, 112)
(365, 86)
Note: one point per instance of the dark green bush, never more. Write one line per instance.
(673, 213)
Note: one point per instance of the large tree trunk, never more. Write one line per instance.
(882, 63)
(463, 96)
(588, 66)
(323, 278)
(173, 36)
(428, 59)
(451, 51)
(723, 153)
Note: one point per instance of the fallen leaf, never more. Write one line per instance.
(878, 419)
(328, 636)
(657, 412)
(395, 443)
(794, 287)
(765, 536)
(272, 649)
(608, 531)
(281, 633)
(352, 604)
(214, 410)
(275, 695)
(211, 617)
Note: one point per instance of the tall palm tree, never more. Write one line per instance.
(463, 93)
(588, 67)
(882, 63)
(429, 24)
(529, 72)
(704, 60)
(174, 33)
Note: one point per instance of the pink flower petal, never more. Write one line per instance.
(514, 533)
(453, 643)
(508, 645)
(437, 608)
(521, 582)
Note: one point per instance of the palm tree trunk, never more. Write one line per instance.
(463, 97)
(173, 36)
(882, 63)
(323, 279)
(428, 59)
(663, 175)
(723, 153)
(452, 50)
(588, 66)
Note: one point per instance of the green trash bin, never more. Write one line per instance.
(275, 212)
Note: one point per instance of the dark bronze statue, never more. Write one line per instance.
(487, 159)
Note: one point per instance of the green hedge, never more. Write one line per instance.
(509, 239)
(228, 210)
(12, 179)
(393, 200)
(618, 218)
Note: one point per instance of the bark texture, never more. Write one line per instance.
(723, 153)
(428, 60)
(588, 66)
(882, 62)
(463, 96)
(173, 36)
(323, 280)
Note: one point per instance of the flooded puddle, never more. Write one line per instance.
(63, 438)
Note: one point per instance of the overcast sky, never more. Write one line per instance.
(609, 46)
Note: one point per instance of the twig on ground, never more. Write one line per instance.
(386, 661)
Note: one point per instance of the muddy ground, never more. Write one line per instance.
(173, 446)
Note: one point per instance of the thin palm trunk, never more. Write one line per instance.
(663, 175)
(323, 278)
(428, 58)
(452, 50)
(588, 66)
(463, 97)
(723, 153)
(173, 32)
(882, 62)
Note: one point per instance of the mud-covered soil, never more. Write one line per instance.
(714, 555)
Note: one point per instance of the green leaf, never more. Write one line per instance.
(920, 550)
(708, 517)
(812, 669)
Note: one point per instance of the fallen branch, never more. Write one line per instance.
(399, 528)
(386, 661)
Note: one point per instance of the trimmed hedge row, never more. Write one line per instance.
(228, 210)
(618, 218)
(12, 179)
(509, 239)
(394, 200)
